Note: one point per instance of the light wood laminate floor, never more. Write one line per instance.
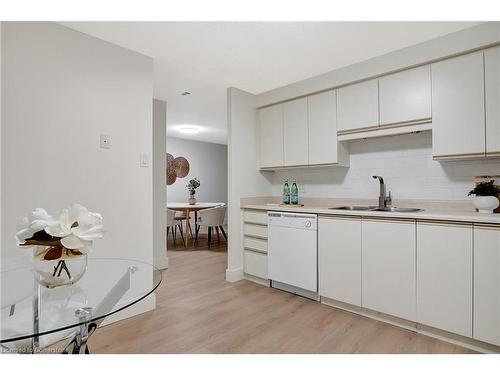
(199, 312)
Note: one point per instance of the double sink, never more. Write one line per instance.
(376, 208)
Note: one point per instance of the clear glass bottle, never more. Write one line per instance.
(294, 195)
(286, 193)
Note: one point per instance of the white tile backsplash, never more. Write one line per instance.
(404, 161)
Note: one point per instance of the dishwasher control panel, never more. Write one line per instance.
(292, 220)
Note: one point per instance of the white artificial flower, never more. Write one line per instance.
(38, 220)
(77, 227)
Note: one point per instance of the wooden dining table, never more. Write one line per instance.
(187, 208)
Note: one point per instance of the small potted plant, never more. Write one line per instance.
(192, 186)
(60, 243)
(485, 199)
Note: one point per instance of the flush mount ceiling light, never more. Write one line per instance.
(189, 129)
(185, 93)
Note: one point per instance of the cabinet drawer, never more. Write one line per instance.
(258, 217)
(255, 230)
(255, 244)
(255, 264)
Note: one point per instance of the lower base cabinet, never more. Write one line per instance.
(487, 284)
(339, 259)
(444, 276)
(388, 267)
(255, 264)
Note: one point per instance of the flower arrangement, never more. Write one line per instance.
(193, 185)
(486, 189)
(67, 234)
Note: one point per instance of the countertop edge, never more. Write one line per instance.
(453, 216)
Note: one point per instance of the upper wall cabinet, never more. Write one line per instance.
(458, 119)
(296, 148)
(357, 106)
(271, 136)
(301, 132)
(323, 145)
(405, 97)
(492, 90)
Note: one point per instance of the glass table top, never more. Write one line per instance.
(30, 310)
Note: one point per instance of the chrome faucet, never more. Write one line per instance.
(383, 200)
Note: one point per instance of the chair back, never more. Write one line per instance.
(170, 217)
(213, 217)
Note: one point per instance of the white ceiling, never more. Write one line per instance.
(207, 57)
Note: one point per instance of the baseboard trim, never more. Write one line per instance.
(257, 280)
(436, 333)
(234, 275)
(161, 264)
(145, 305)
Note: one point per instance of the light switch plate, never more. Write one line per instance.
(105, 141)
(144, 160)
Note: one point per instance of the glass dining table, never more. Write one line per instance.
(35, 318)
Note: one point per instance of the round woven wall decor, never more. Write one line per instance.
(176, 168)
(181, 167)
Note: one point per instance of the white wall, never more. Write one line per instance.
(244, 178)
(438, 48)
(60, 90)
(406, 164)
(208, 163)
(160, 259)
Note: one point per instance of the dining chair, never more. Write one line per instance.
(180, 217)
(173, 224)
(211, 218)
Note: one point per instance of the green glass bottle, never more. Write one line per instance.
(294, 195)
(286, 193)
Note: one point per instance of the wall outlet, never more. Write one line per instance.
(105, 141)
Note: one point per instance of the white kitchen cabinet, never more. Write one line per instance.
(339, 258)
(271, 136)
(406, 96)
(444, 276)
(322, 114)
(357, 106)
(487, 284)
(458, 118)
(255, 264)
(295, 130)
(492, 93)
(388, 267)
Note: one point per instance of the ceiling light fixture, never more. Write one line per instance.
(189, 129)
(185, 93)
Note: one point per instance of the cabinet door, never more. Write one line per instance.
(458, 123)
(405, 96)
(322, 112)
(296, 132)
(492, 90)
(339, 252)
(444, 277)
(271, 136)
(255, 264)
(357, 106)
(487, 284)
(388, 267)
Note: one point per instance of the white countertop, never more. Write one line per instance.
(460, 216)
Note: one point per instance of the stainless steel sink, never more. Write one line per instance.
(375, 208)
(397, 209)
(354, 208)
